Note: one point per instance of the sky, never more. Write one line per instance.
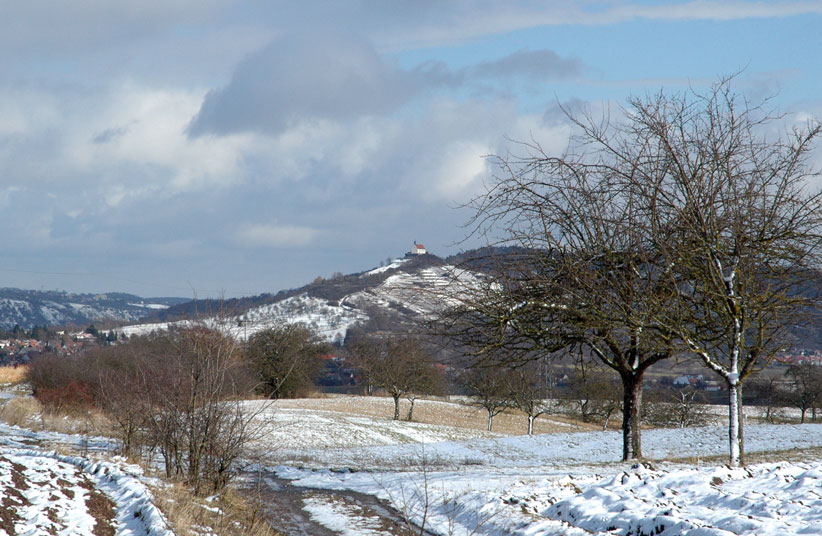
(232, 148)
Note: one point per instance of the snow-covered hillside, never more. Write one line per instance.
(421, 292)
(330, 320)
(402, 289)
(405, 289)
(28, 308)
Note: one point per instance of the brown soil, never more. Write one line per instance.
(101, 508)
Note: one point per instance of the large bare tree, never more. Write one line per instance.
(687, 222)
(583, 273)
(736, 222)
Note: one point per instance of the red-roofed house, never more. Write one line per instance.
(418, 249)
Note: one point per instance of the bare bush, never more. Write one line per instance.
(176, 394)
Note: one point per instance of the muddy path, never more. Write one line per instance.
(283, 506)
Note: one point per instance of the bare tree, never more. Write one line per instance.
(805, 387)
(594, 393)
(583, 271)
(399, 365)
(732, 216)
(529, 394)
(490, 388)
(768, 391)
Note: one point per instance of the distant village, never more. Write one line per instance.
(18, 347)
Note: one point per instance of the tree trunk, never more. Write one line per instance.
(631, 414)
(734, 424)
(530, 425)
(411, 409)
(396, 407)
(490, 420)
(802, 416)
(741, 424)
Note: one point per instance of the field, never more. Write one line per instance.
(564, 482)
(325, 466)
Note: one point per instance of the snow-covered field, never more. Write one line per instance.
(560, 483)
(42, 492)
(449, 480)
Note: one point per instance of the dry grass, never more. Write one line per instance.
(20, 411)
(227, 514)
(27, 412)
(440, 412)
(13, 375)
(92, 422)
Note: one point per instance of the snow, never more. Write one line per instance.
(393, 265)
(156, 306)
(561, 483)
(329, 320)
(423, 292)
(48, 492)
(55, 484)
(296, 430)
(459, 481)
(346, 519)
(142, 329)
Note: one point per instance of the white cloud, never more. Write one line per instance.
(459, 172)
(273, 235)
(142, 130)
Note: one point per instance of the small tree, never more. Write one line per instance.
(805, 390)
(398, 365)
(595, 393)
(529, 394)
(286, 359)
(679, 408)
(767, 391)
(490, 388)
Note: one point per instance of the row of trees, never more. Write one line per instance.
(800, 388)
(685, 226)
(178, 394)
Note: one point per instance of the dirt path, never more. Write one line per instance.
(284, 508)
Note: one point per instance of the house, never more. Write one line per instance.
(801, 359)
(688, 380)
(418, 249)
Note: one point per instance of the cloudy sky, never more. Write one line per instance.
(232, 147)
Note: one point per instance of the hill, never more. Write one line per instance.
(30, 308)
(388, 298)
(391, 297)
